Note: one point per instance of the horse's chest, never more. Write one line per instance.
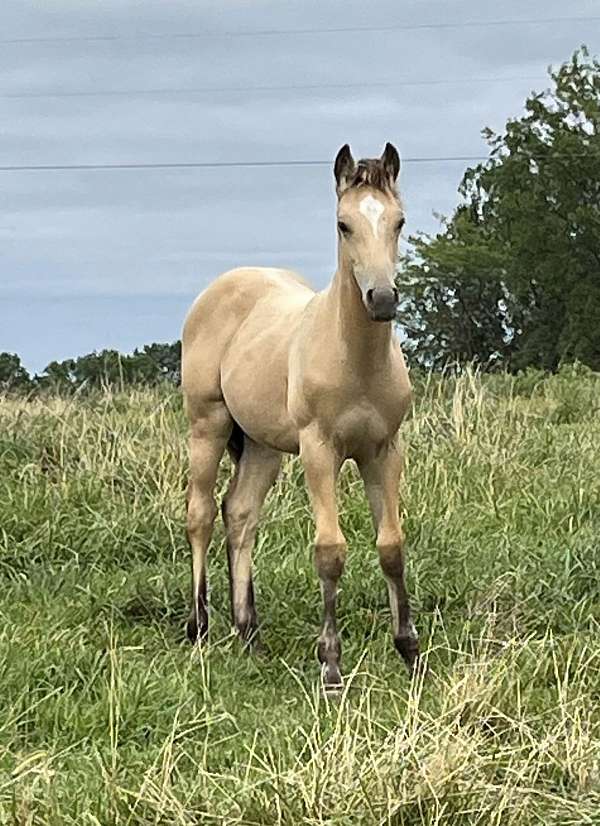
(361, 428)
(358, 414)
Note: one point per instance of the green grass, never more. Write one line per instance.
(108, 716)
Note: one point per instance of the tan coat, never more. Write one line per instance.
(270, 366)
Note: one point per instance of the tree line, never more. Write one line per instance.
(152, 364)
(511, 280)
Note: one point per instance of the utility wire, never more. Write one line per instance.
(248, 164)
(149, 165)
(467, 24)
(276, 88)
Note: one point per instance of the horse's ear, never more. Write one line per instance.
(343, 168)
(391, 162)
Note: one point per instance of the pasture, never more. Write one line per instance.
(107, 715)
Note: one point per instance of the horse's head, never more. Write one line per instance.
(370, 218)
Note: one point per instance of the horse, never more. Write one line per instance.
(269, 366)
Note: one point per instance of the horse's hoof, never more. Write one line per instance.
(194, 634)
(331, 681)
(257, 646)
(408, 648)
(253, 644)
(249, 637)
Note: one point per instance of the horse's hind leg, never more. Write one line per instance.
(210, 431)
(381, 477)
(256, 471)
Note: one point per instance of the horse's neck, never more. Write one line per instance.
(365, 343)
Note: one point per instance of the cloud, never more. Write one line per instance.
(156, 237)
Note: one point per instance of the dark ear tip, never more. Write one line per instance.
(343, 165)
(391, 160)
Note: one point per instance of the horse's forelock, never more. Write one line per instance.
(371, 172)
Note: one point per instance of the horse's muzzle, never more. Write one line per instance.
(382, 303)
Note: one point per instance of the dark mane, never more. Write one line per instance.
(371, 172)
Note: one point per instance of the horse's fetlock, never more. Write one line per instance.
(329, 648)
(246, 628)
(197, 632)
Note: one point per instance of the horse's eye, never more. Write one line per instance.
(344, 228)
(399, 225)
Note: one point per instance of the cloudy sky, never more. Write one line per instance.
(96, 258)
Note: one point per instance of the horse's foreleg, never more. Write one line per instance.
(209, 434)
(381, 477)
(321, 467)
(256, 472)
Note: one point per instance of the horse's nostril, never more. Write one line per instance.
(370, 296)
(396, 296)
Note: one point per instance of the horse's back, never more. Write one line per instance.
(247, 296)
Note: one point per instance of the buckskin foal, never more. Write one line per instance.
(270, 367)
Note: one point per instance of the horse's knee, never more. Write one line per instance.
(330, 556)
(391, 554)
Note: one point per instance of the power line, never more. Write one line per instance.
(275, 88)
(189, 165)
(248, 164)
(467, 24)
(167, 165)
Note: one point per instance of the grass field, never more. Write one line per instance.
(108, 716)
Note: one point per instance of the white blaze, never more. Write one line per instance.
(372, 209)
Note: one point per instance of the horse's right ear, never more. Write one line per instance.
(391, 162)
(343, 168)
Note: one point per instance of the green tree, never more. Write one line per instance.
(103, 369)
(13, 376)
(456, 307)
(153, 364)
(57, 377)
(167, 358)
(514, 275)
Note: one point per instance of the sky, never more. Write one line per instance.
(96, 258)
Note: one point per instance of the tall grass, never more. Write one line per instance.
(108, 716)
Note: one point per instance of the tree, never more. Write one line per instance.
(514, 275)
(456, 307)
(154, 364)
(13, 376)
(167, 358)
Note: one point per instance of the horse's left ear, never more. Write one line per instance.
(391, 162)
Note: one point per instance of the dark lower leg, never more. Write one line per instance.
(201, 512)
(241, 591)
(406, 638)
(405, 634)
(330, 564)
(240, 527)
(197, 624)
(256, 472)
(210, 430)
